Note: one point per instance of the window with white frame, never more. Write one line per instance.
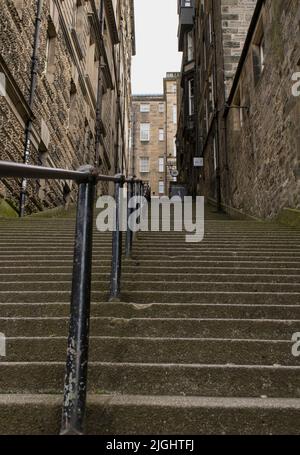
(145, 132)
(144, 165)
(161, 165)
(174, 88)
(161, 187)
(145, 107)
(174, 114)
(175, 148)
(161, 107)
(161, 134)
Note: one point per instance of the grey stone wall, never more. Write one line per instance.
(263, 175)
(236, 16)
(64, 104)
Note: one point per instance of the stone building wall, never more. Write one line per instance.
(263, 141)
(170, 93)
(65, 102)
(219, 33)
(154, 149)
(236, 16)
(162, 116)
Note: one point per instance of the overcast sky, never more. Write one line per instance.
(156, 44)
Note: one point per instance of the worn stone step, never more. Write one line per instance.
(147, 327)
(165, 276)
(157, 350)
(256, 246)
(278, 298)
(132, 268)
(164, 286)
(182, 263)
(168, 296)
(182, 379)
(146, 297)
(156, 310)
(160, 415)
(152, 256)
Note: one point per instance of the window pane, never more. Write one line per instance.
(145, 108)
(144, 165)
(161, 165)
(161, 187)
(145, 132)
(175, 114)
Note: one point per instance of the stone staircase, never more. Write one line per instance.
(200, 344)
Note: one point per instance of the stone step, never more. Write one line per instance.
(168, 296)
(182, 263)
(216, 243)
(99, 276)
(154, 256)
(146, 327)
(165, 240)
(156, 310)
(159, 415)
(157, 350)
(163, 286)
(17, 271)
(183, 379)
(146, 297)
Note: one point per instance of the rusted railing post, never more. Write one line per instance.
(78, 342)
(129, 233)
(115, 288)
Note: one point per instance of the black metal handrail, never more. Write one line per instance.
(75, 388)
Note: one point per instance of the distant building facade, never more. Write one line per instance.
(154, 126)
(237, 112)
(80, 108)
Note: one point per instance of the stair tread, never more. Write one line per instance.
(158, 401)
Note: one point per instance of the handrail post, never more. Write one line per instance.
(115, 288)
(78, 341)
(129, 211)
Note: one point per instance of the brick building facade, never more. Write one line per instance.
(153, 155)
(80, 109)
(244, 117)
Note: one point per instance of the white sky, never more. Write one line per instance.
(156, 23)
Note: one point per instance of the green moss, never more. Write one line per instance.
(6, 210)
(290, 217)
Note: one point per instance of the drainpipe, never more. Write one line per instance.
(218, 170)
(33, 83)
(99, 93)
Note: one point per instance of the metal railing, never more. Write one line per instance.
(87, 177)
